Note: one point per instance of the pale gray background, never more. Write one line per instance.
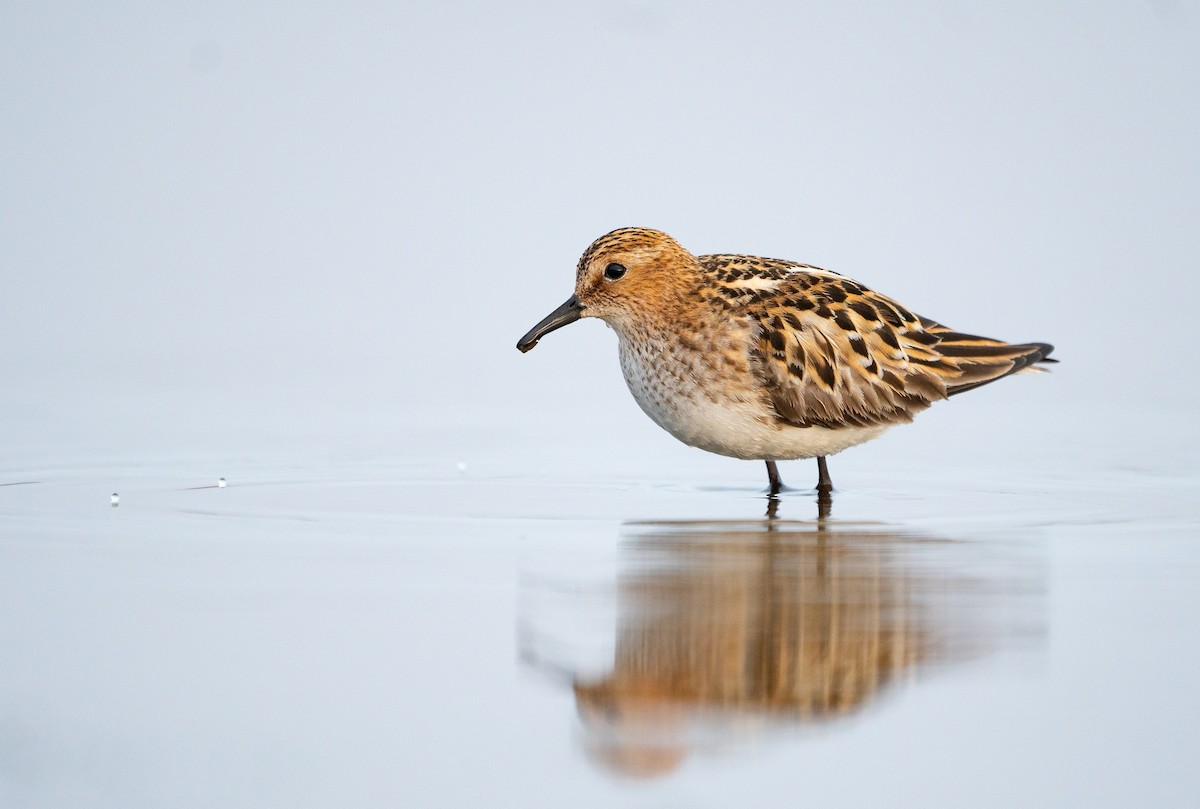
(296, 244)
(307, 217)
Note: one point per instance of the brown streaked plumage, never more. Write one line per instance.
(758, 358)
(737, 624)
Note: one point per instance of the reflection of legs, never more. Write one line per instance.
(773, 478)
(824, 505)
(824, 508)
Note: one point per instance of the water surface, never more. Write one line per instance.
(425, 635)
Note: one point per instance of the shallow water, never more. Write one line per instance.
(423, 634)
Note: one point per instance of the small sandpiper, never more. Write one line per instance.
(764, 359)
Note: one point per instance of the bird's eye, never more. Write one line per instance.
(614, 271)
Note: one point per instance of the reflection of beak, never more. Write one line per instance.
(564, 315)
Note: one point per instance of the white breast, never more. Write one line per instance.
(687, 397)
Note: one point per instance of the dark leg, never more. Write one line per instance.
(824, 484)
(773, 478)
(824, 489)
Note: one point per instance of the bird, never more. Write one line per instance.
(766, 359)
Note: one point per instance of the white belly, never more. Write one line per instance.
(691, 404)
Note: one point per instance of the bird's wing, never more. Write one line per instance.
(832, 353)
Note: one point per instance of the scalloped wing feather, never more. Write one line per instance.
(832, 353)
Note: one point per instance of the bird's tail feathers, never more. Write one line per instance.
(981, 360)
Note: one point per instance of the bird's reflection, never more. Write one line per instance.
(722, 628)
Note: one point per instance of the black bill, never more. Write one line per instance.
(564, 315)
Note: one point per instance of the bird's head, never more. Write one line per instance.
(624, 277)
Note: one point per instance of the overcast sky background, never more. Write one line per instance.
(219, 221)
